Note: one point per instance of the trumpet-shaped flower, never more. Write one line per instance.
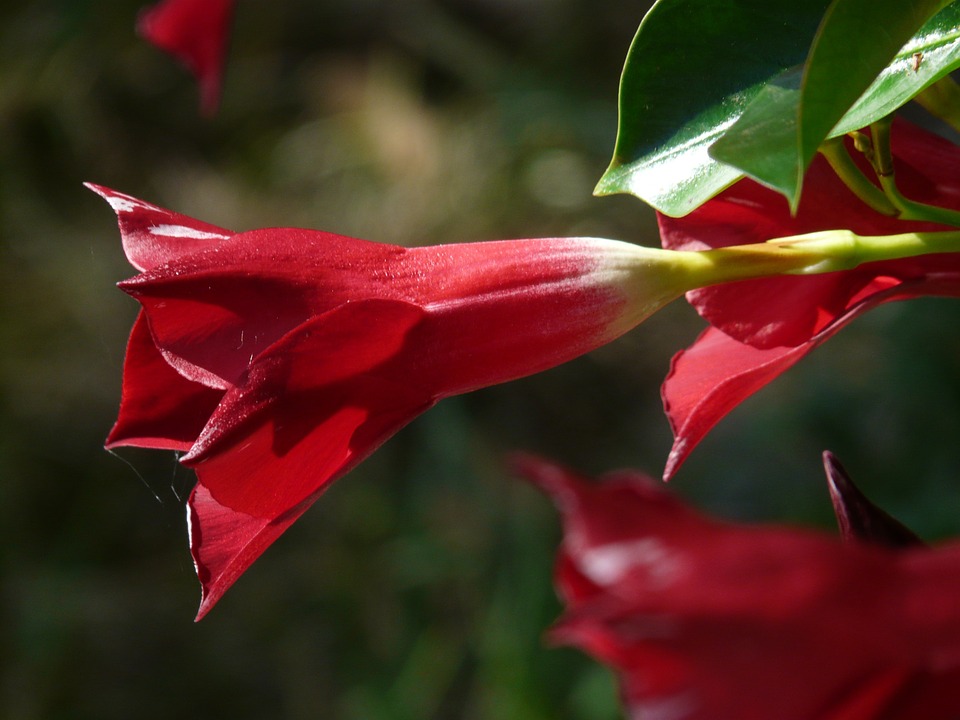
(196, 32)
(278, 359)
(762, 327)
(708, 620)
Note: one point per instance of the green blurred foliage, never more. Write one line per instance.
(419, 587)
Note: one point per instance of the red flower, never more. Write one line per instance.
(706, 620)
(763, 327)
(279, 359)
(195, 32)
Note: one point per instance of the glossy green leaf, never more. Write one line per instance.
(873, 50)
(763, 141)
(931, 54)
(715, 89)
(693, 68)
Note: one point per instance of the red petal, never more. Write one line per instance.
(324, 380)
(709, 379)
(195, 32)
(224, 542)
(859, 519)
(159, 408)
(927, 695)
(527, 304)
(706, 620)
(790, 310)
(217, 309)
(314, 406)
(717, 373)
(277, 484)
(153, 236)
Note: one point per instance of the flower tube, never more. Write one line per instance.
(278, 359)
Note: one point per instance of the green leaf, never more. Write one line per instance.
(864, 49)
(715, 89)
(930, 55)
(691, 71)
(762, 143)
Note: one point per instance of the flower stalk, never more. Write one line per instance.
(886, 199)
(835, 153)
(884, 167)
(810, 254)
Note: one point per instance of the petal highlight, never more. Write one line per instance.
(153, 236)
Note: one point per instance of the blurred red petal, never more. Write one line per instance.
(196, 32)
(706, 620)
(859, 519)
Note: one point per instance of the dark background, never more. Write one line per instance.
(419, 587)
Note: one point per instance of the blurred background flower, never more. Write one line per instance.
(421, 587)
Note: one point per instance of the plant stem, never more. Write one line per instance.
(882, 154)
(847, 170)
(844, 250)
(811, 254)
(883, 163)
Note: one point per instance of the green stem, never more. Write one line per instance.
(942, 99)
(845, 250)
(907, 209)
(811, 254)
(849, 172)
(910, 210)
